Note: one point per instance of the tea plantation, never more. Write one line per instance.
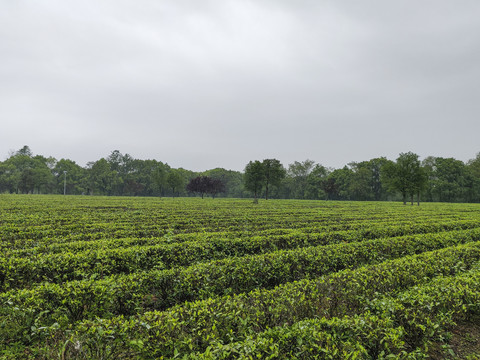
(190, 278)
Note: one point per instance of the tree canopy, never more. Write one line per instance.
(432, 179)
(254, 177)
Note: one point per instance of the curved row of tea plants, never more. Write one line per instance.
(398, 327)
(159, 290)
(97, 278)
(66, 266)
(194, 326)
(347, 232)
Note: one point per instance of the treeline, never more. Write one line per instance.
(116, 175)
(407, 178)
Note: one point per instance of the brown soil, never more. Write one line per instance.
(465, 342)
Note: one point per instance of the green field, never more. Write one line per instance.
(149, 278)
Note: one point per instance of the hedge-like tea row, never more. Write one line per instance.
(392, 327)
(35, 222)
(335, 231)
(357, 337)
(426, 311)
(93, 240)
(56, 268)
(134, 255)
(194, 326)
(125, 295)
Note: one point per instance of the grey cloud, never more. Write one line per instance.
(177, 81)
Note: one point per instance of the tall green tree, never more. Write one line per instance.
(122, 166)
(24, 173)
(159, 178)
(102, 179)
(360, 182)
(175, 180)
(70, 175)
(140, 178)
(254, 178)
(473, 169)
(330, 188)
(342, 180)
(315, 180)
(274, 173)
(366, 181)
(44, 181)
(449, 180)
(25, 150)
(474, 165)
(406, 176)
(8, 177)
(298, 173)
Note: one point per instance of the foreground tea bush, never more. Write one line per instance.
(16, 272)
(393, 327)
(194, 326)
(99, 278)
(126, 295)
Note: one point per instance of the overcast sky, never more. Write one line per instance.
(205, 84)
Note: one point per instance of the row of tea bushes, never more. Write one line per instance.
(400, 327)
(98, 278)
(67, 266)
(116, 295)
(194, 326)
